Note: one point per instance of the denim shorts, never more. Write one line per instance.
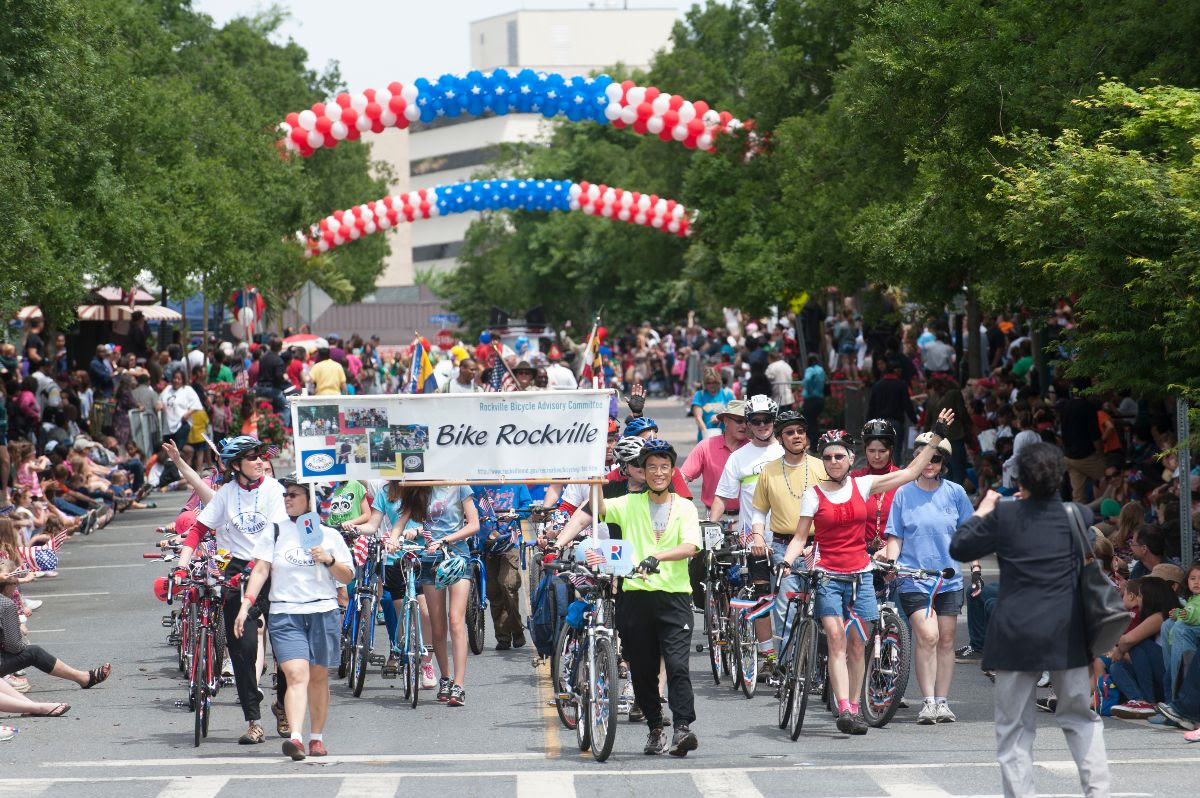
(312, 636)
(836, 598)
(948, 602)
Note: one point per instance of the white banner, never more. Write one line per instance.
(478, 437)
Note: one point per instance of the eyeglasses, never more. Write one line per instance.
(833, 458)
(937, 459)
(251, 458)
(761, 422)
(659, 469)
(294, 495)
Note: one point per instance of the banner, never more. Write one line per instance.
(534, 436)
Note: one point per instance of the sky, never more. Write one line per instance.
(378, 41)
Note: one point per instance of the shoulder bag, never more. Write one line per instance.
(1104, 613)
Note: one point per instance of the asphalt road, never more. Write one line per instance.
(126, 738)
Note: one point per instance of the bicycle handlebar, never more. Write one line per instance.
(891, 567)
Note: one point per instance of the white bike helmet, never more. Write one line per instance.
(627, 449)
(926, 438)
(760, 405)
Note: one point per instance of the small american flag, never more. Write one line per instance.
(361, 545)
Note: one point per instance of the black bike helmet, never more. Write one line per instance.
(878, 429)
(789, 418)
(835, 437)
(657, 446)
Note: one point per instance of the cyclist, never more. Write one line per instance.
(837, 509)
(879, 442)
(243, 510)
(646, 428)
(306, 622)
(738, 481)
(707, 459)
(775, 508)
(654, 616)
(500, 560)
(924, 516)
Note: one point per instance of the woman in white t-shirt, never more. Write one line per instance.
(179, 402)
(305, 620)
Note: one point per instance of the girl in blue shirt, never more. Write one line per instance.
(709, 402)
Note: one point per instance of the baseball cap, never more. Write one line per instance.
(1168, 572)
(1110, 508)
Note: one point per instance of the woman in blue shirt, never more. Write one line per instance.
(709, 402)
(922, 521)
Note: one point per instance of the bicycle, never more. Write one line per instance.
(477, 599)
(410, 648)
(744, 610)
(358, 624)
(800, 670)
(716, 600)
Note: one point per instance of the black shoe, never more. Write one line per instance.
(656, 742)
(503, 645)
(967, 654)
(858, 724)
(682, 741)
(458, 696)
(635, 713)
(845, 722)
(518, 640)
(1049, 704)
(443, 693)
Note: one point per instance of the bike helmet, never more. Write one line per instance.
(449, 571)
(639, 425)
(627, 449)
(789, 418)
(761, 404)
(288, 480)
(878, 429)
(656, 446)
(835, 437)
(926, 438)
(235, 448)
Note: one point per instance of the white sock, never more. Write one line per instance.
(316, 738)
(941, 699)
(297, 739)
(929, 699)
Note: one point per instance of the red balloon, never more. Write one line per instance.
(359, 222)
(339, 215)
(324, 125)
(373, 110)
(690, 143)
(601, 333)
(424, 207)
(695, 128)
(343, 100)
(401, 121)
(639, 126)
(388, 201)
(293, 119)
(330, 141)
(353, 134)
(393, 216)
(349, 117)
(618, 123)
(676, 102)
(369, 94)
(300, 136)
(726, 118)
(644, 111)
(701, 107)
(397, 105)
(665, 134)
(409, 213)
(306, 151)
(319, 109)
(651, 93)
(395, 87)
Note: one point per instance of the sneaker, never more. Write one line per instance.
(1044, 679)
(1171, 713)
(503, 645)
(7, 733)
(518, 640)
(293, 749)
(1162, 720)
(928, 714)
(967, 654)
(428, 679)
(944, 715)
(767, 667)
(227, 668)
(253, 735)
(656, 742)
(31, 603)
(317, 748)
(635, 713)
(682, 741)
(443, 693)
(1133, 710)
(625, 699)
(845, 722)
(282, 726)
(457, 696)
(990, 674)
(858, 724)
(1048, 704)
(1192, 736)
(18, 683)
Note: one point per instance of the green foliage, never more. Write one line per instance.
(1115, 217)
(137, 136)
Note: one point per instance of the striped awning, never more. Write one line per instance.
(29, 312)
(123, 312)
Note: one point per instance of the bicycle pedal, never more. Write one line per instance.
(183, 704)
(226, 681)
(390, 673)
(168, 621)
(376, 659)
(563, 697)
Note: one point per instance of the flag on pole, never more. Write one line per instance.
(422, 379)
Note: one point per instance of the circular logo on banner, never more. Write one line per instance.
(250, 523)
(299, 557)
(413, 464)
(318, 462)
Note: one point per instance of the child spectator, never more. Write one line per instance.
(1181, 632)
(1137, 660)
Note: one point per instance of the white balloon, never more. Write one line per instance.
(623, 215)
(359, 102)
(626, 199)
(687, 112)
(434, 210)
(711, 118)
(654, 125)
(610, 197)
(734, 124)
(338, 130)
(593, 192)
(284, 128)
(679, 132)
(660, 207)
(608, 211)
(613, 91)
(338, 240)
(355, 234)
(673, 227)
(333, 111)
(661, 104)
(363, 123)
(574, 205)
(385, 223)
(409, 93)
(382, 96)
(678, 211)
(629, 114)
(658, 222)
(643, 203)
(411, 112)
(308, 120)
(704, 141)
(574, 191)
(323, 245)
(315, 139)
(635, 96)
(640, 219)
(387, 118)
(612, 112)
(369, 228)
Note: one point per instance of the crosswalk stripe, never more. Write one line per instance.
(725, 783)
(546, 784)
(907, 784)
(193, 787)
(369, 787)
(277, 761)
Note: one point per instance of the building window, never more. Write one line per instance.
(512, 43)
(437, 251)
(454, 160)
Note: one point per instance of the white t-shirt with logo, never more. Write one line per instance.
(740, 477)
(243, 517)
(299, 585)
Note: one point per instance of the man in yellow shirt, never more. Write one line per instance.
(776, 507)
(328, 376)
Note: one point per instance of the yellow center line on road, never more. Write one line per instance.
(545, 692)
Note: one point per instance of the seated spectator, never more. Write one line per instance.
(1136, 662)
(1149, 549)
(1181, 632)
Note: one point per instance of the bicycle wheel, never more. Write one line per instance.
(563, 670)
(747, 654)
(712, 628)
(362, 646)
(219, 648)
(187, 642)
(412, 654)
(887, 669)
(476, 623)
(581, 679)
(199, 689)
(347, 626)
(802, 672)
(605, 687)
(787, 682)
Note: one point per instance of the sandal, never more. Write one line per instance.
(97, 675)
(57, 712)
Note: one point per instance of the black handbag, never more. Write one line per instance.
(1103, 611)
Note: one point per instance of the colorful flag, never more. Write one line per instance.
(593, 362)
(422, 380)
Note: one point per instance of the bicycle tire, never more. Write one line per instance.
(476, 620)
(212, 675)
(566, 649)
(802, 673)
(786, 676)
(712, 628)
(886, 679)
(199, 689)
(602, 703)
(344, 661)
(220, 646)
(413, 644)
(362, 647)
(581, 680)
(747, 654)
(187, 644)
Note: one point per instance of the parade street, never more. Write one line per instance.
(127, 738)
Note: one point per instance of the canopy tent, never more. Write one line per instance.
(124, 313)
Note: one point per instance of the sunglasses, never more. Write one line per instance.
(291, 494)
(761, 422)
(937, 459)
(251, 458)
(833, 458)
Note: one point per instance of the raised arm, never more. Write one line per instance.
(194, 481)
(886, 482)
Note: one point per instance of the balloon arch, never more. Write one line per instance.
(644, 109)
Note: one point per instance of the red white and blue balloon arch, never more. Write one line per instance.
(644, 109)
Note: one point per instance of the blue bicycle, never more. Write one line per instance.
(409, 651)
(477, 600)
(358, 625)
